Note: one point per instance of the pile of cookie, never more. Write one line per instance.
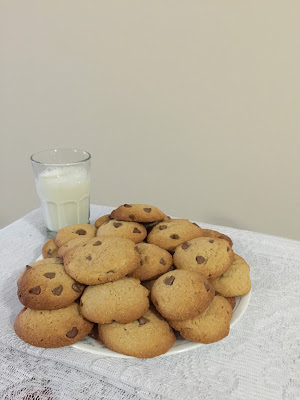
(132, 281)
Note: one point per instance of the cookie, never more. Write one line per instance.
(70, 232)
(137, 213)
(150, 225)
(52, 328)
(49, 250)
(69, 245)
(170, 234)
(180, 295)
(128, 230)
(100, 221)
(154, 262)
(211, 326)
(102, 260)
(47, 287)
(215, 234)
(236, 280)
(210, 257)
(123, 301)
(147, 337)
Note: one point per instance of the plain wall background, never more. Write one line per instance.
(192, 106)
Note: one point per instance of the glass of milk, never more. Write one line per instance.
(62, 179)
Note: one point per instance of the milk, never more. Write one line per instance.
(65, 196)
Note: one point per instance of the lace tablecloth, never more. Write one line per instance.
(258, 360)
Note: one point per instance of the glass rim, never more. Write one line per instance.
(87, 154)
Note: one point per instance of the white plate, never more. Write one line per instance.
(92, 346)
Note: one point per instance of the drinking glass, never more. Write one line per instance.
(62, 178)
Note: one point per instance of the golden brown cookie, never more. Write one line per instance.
(137, 213)
(123, 301)
(100, 221)
(102, 260)
(210, 257)
(170, 234)
(128, 230)
(49, 250)
(52, 328)
(154, 262)
(179, 295)
(47, 287)
(211, 326)
(69, 245)
(147, 337)
(70, 232)
(215, 234)
(236, 280)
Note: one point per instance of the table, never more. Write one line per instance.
(260, 359)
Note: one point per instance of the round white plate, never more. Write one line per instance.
(92, 346)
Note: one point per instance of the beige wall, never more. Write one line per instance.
(189, 105)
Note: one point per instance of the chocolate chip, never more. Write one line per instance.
(57, 291)
(50, 275)
(162, 227)
(143, 321)
(175, 236)
(88, 258)
(72, 333)
(169, 280)
(147, 210)
(211, 241)
(131, 216)
(206, 287)
(200, 259)
(49, 252)
(136, 249)
(111, 271)
(162, 261)
(127, 205)
(35, 290)
(185, 245)
(97, 243)
(81, 232)
(117, 224)
(228, 249)
(136, 230)
(76, 287)
(28, 266)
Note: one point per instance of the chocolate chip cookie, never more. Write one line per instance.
(215, 234)
(128, 230)
(47, 287)
(49, 250)
(137, 213)
(102, 260)
(236, 280)
(210, 326)
(154, 262)
(123, 301)
(209, 256)
(69, 245)
(147, 337)
(52, 328)
(170, 234)
(101, 220)
(70, 232)
(179, 295)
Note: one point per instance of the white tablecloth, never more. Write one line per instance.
(258, 360)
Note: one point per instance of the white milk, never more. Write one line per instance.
(65, 196)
